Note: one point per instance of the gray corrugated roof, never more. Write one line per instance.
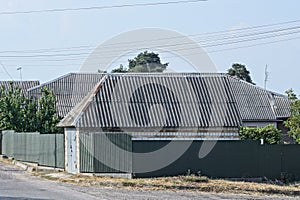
(23, 85)
(257, 104)
(281, 106)
(69, 89)
(157, 100)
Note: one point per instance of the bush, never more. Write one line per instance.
(269, 134)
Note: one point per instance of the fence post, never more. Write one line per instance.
(0, 142)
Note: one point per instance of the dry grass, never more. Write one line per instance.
(186, 183)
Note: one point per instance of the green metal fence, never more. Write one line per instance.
(227, 159)
(113, 149)
(43, 149)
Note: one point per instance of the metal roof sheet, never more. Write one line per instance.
(281, 106)
(69, 90)
(158, 100)
(257, 104)
(23, 85)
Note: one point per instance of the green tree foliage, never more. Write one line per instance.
(146, 62)
(291, 95)
(269, 134)
(120, 69)
(46, 113)
(240, 71)
(24, 114)
(12, 109)
(293, 122)
(29, 116)
(143, 62)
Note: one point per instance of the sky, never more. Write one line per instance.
(31, 35)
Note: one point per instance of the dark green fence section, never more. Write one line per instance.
(105, 153)
(52, 150)
(0, 142)
(228, 159)
(44, 149)
(8, 143)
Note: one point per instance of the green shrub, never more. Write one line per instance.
(269, 134)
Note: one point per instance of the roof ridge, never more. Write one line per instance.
(77, 111)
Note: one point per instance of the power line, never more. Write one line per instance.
(234, 40)
(99, 7)
(214, 37)
(6, 70)
(209, 52)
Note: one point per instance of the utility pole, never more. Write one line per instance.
(266, 76)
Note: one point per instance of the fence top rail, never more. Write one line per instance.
(13, 132)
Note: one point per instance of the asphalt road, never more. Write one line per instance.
(18, 184)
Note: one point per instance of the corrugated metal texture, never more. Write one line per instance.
(23, 85)
(26, 147)
(8, 143)
(69, 89)
(105, 153)
(228, 159)
(253, 102)
(44, 149)
(161, 100)
(208, 135)
(282, 106)
(51, 151)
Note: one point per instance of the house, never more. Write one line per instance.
(259, 107)
(68, 89)
(23, 85)
(148, 107)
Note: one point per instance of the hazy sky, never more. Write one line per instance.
(57, 30)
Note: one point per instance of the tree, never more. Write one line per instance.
(12, 109)
(269, 134)
(121, 69)
(101, 71)
(291, 95)
(143, 62)
(240, 71)
(293, 122)
(23, 114)
(46, 113)
(147, 62)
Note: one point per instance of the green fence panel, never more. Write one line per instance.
(105, 153)
(26, 146)
(227, 159)
(60, 151)
(290, 161)
(51, 152)
(44, 149)
(8, 143)
(32, 147)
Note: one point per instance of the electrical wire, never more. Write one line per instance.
(99, 7)
(206, 36)
(234, 40)
(3, 66)
(175, 56)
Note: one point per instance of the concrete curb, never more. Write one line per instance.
(30, 167)
(21, 165)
